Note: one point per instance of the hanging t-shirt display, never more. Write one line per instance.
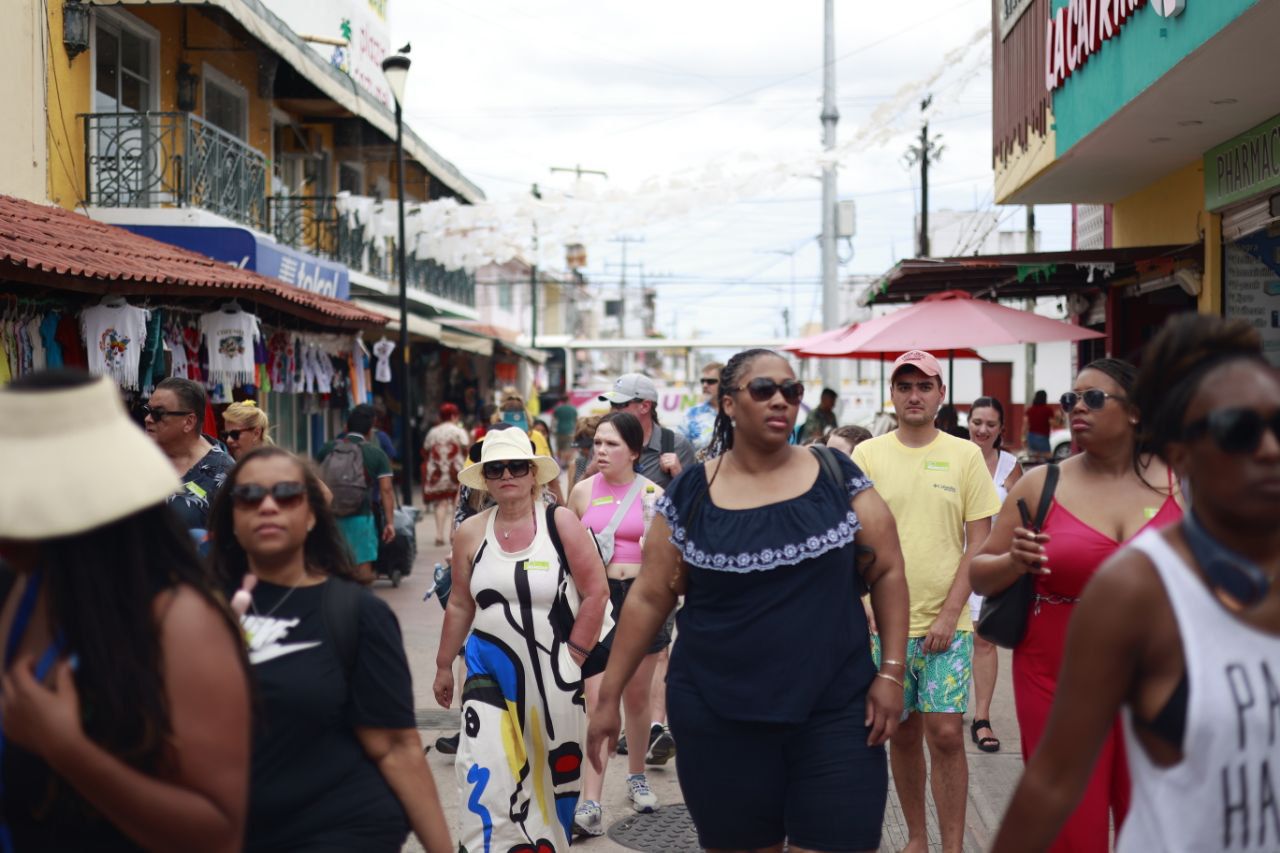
(48, 331)
(383, 349)
(113, 336)
(230, 335)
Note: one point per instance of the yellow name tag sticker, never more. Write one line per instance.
(932, 465)
(1149, 512)
(605, 501)
(537, 566)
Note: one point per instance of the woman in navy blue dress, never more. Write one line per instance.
(779, 712)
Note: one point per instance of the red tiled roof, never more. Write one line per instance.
(49, 245)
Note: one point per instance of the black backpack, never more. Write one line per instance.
(343, 472)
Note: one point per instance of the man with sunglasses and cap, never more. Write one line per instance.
(359, 527)
(942, 498)
(666, 453)
(173, 417)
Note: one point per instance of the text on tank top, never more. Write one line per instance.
(1225, 793)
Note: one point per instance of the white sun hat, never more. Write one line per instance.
(502, 445)
(72, 460)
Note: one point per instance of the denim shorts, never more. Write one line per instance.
(751, 784)
(1037, 442)
(618, 590)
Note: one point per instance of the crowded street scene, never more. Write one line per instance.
(432, 426)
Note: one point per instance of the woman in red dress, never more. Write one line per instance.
(444, 452)
(1105, 496)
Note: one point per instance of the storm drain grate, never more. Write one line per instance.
(669, 830)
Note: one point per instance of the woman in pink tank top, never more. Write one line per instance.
(1181, 631)
(619, 440)
(1105, 496)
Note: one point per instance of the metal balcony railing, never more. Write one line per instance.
(161, 159)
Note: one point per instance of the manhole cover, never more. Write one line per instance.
(668, 829)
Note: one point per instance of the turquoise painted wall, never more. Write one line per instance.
(1146, 48)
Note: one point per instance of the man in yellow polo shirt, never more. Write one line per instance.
(942, 499)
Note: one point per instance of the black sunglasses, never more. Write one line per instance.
(234, 434)
(706, 381)
(160, 414)
(1234, 430)
(1094, 399)
(763, 388)
(286, 494)
(517, 467)
(616, 406)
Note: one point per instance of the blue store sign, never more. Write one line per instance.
(243, 248)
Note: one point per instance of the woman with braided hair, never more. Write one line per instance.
(772, 695)
(1180, 631)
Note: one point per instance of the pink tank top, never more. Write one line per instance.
(605, 500)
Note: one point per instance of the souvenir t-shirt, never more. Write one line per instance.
(113, 336)
(312, 786)
(933, 491)
(229, 336)
(48, 330)
(382, 351)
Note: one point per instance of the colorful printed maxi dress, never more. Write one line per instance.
(519, 761)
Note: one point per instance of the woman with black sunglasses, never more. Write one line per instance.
(337, 761)
(1106, 495)
(519, 761)
(1181, 630)
(772, 695)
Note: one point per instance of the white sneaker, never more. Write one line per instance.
(643, 800)
(588, 820)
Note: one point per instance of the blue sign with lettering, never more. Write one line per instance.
(242, 248)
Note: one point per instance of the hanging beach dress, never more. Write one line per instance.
(519, 761)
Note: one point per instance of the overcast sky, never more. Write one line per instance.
(506, 89)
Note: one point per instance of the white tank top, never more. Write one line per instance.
(524, 580)
(1225, 793)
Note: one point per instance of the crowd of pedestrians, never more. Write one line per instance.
(193, 659)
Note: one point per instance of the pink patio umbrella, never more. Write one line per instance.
(950, 321)
(815, 346)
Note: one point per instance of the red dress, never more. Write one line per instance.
(1075, 551)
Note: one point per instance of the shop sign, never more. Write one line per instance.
(1243, 167)
(242, 248)
(1010, 12)
(1079, 29)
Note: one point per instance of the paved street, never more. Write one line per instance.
(992, 777)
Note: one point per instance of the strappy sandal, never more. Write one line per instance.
(986, 744)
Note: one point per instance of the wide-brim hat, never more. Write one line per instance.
(507, 444)
(72, 460)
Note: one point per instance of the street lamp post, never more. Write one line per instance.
(396, 69)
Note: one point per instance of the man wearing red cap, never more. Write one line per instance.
(942, 498)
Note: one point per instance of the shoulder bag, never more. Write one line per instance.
(1003, 619)
(564, 610)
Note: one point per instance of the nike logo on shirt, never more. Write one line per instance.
(278, 650)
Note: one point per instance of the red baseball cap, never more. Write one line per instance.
(920, 360)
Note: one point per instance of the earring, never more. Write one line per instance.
(311, 527)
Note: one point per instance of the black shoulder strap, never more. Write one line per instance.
(1046, 496)
(554, 533)
(340, 605)
(828, 463)
(668, 440)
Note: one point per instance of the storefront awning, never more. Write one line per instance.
(51, 247)
(419, 327)
(502, 337)
(1026, 276)
(466, 343)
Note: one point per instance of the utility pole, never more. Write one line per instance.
(579, 171)
(928, 150)
(622, 293)
(1029, 349)
(830, 115)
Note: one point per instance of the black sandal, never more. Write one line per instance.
(986, 744)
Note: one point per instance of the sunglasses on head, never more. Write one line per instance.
(763, 388)
(159, 414)
(1094, 399)
(517, 467)
(286, 494)
(1234, 430)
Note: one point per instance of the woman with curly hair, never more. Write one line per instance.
(1180, 632)
(125, 694)
(337, 762)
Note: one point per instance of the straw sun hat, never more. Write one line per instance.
(72, 460)
(501, 445)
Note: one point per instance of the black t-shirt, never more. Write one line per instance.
(313, 787)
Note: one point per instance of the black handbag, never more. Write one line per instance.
(1003, 618)
(564, 610)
